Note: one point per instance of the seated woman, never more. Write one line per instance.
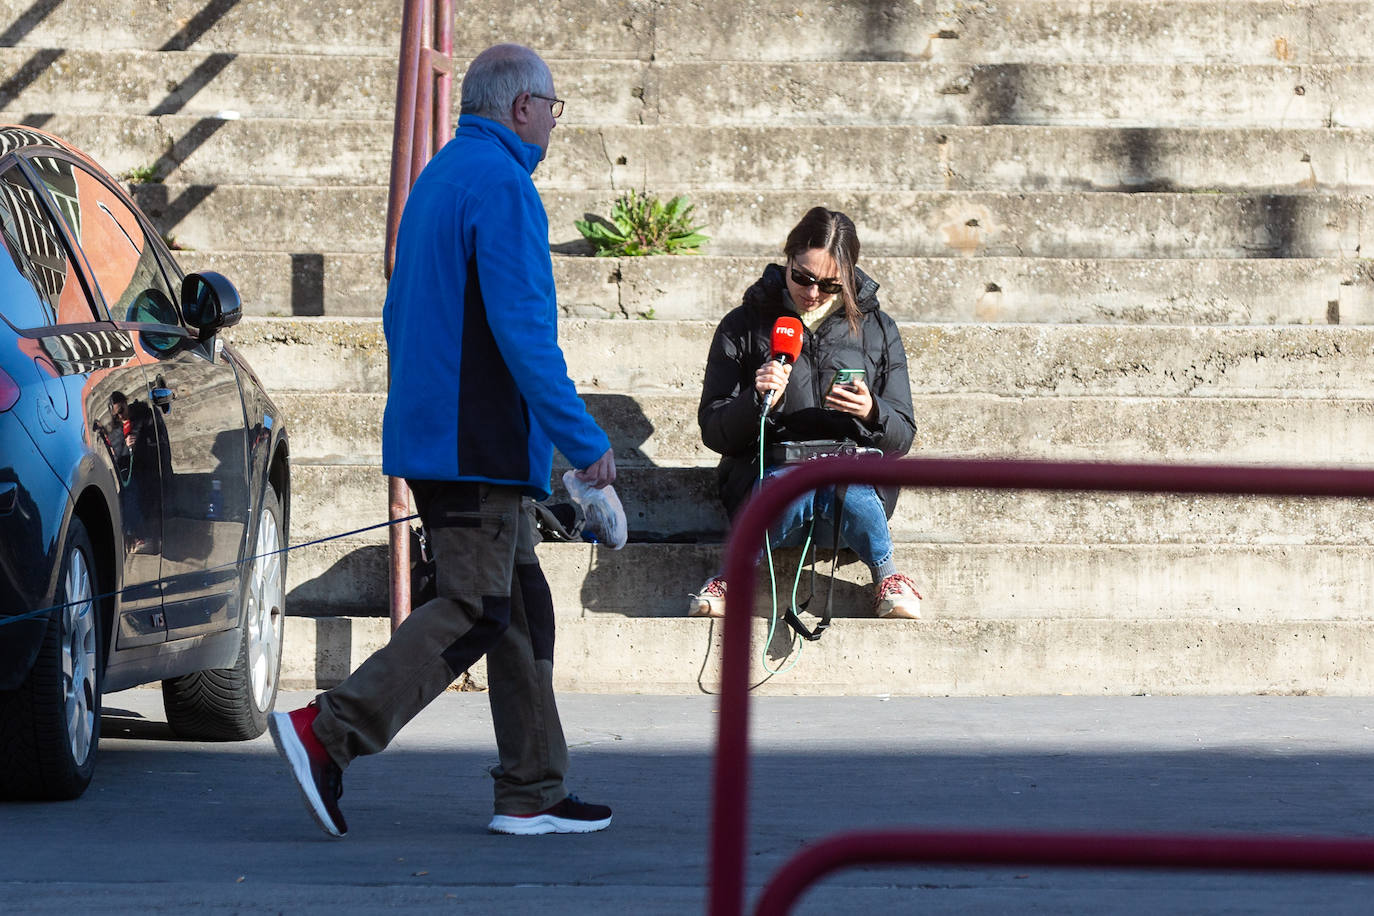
(843, 329)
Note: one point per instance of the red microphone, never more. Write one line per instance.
(787, 344)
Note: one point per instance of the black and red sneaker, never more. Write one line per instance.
(571, 815)
(318, 776)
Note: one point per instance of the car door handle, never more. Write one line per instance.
(163, 397)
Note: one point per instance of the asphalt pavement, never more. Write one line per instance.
(170, 826)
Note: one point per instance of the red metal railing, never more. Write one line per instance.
(730, 816)
(424, 96)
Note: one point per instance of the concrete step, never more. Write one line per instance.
(712, 93)
(1152, 94)
(301, 283)
(604, 28)
(919, 157)
(1188, 656)
(891, 223)
(274, 152)
(1069, 290)
(1023, 31)
(661, 430)
(1116, 291)
(982, 582)
(642, 358)
(205, 85)
(909, 157)
(1250, 31)
(680, 504)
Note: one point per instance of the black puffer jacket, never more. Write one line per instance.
(729, 411)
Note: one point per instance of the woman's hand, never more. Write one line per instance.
(772, 376)
(855, 400)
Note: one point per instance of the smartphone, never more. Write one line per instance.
(845, 378)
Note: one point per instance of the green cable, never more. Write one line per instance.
(773, 578)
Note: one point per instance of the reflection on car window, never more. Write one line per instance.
(119, 252)
(34, 279)
(152, 307)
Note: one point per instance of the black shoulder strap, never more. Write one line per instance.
(791, 617)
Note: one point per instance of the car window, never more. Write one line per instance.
(37, 281)
(120, 254)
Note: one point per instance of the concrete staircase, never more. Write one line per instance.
(1112, 231)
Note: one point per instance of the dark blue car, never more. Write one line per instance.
(144, 479)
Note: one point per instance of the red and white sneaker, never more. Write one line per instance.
(571, 815)
(710, 601)
(317, 775)
(897, 599)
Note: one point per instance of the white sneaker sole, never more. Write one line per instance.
(543, 823)
(707, 607)
(298, 765)
(908, 610)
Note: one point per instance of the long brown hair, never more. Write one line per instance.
(835, 232)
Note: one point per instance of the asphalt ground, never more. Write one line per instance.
(173, 827)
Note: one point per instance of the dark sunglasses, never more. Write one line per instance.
(829, 287)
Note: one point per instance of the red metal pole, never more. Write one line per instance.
(730, 821)
(443, 65)
(899, 847)
(420, 130)
(402, 176)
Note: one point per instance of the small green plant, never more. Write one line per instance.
(143, 174)
(641, 224)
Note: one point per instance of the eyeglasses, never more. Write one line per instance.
(555, 105)
(830, 287)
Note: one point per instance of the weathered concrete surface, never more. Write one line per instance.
(656, 357)
(1013, 289)
(1096, 224)
(662, 429)
(1025, 30)
(1002, 157)
(1235, 582)
(1057, 163)
(895, 223)
(681, 504)
(1265, 291)
(301, 283)
(1178, 656)
(1253, 31)
(601, 28)
(718, 92)
(1011, 158)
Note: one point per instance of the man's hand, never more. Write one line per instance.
(601, 472)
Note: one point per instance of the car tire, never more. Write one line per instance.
(50, 724)
(232, 704)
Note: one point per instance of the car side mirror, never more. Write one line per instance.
(210, 303)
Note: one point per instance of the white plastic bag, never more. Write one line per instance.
(605, 517)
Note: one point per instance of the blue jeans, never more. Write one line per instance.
(863, 525)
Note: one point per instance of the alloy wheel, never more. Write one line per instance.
(79, 656)
(265, 621)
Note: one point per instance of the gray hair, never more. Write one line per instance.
(498, 75)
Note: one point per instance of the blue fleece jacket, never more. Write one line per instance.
(479, 387)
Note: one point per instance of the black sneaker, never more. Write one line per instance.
(318, 776)
(571, 815)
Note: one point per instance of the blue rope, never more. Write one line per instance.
(324, 540)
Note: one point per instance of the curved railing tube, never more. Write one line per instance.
(730, 815)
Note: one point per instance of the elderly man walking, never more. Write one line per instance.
(479, 397)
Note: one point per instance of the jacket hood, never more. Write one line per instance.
(527, 154)
(766, 294)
